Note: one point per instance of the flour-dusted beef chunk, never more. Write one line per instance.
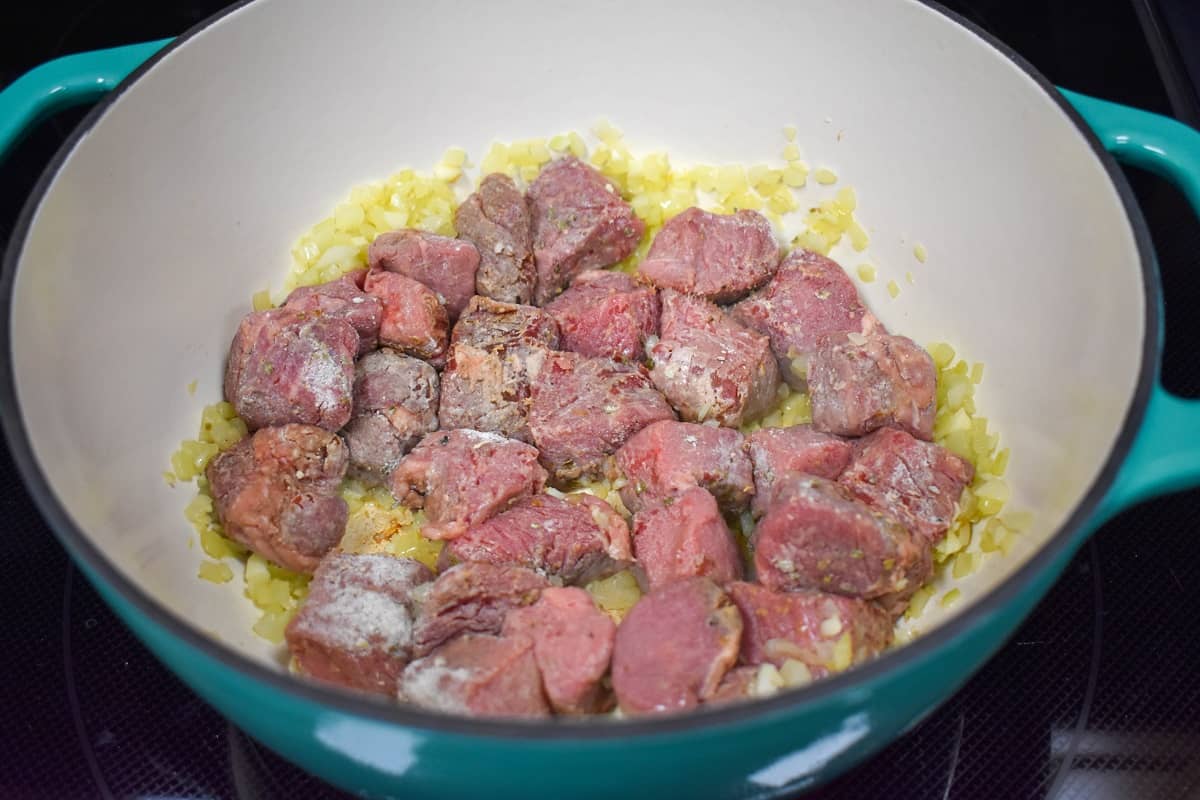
(497, 349)
(579, 222)
(815, 535)
(674, 647)
(917, 482)
(276, 493)
(717, 256)
(488, 391)
(860, 383)
(572, 644)
(472, 598)
(492, 325)
(578, 538)
(584, 409)
(683, 537)
(606, 314)
(395, 405)
(343, 298)
(462, 477)
(776, 452)
(478, 675)
(291, 366)
(667, 458)
(355, 627)
(496, 220)
(825, 632)
(709, 366)
(415, 320)
(447, 266)
(809, 296)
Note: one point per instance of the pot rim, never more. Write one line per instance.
(1067, 537)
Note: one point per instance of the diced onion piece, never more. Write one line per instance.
(917, 604)
(215, 572)
(257, 573)
(1017, 521)
(261, 300)
(271, 625)
(989, 539)
(767, 681)
(795, 175)
(965, 563)
(942, 353)
(217, 546)
(843, 653)
(616, 594)
(795, 673)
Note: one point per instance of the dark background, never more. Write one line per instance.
(1097, 696)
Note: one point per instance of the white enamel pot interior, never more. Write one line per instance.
(186, 194)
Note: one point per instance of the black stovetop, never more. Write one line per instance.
(1097, 696)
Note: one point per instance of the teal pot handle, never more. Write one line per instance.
(64, 82)
(1165, 456)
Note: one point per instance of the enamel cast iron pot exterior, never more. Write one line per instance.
(180, 194)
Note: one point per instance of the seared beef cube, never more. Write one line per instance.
(414, 318)
(496, 220)
(709, 366)
(584, 409)
(445, 265)
(720, 257)
(666, 458)
(825, 632)
(572, 644)
(815, 535)
(276, 493)
(674, 647)
(684, 537)
(606, 314)
(578, 539)
(355, 627)
(489, 391)
(491, 325)
(472, 598)
(345, 299)
(775, 452)
(916, 482)
(809, 296)
(861, 383)
(395, 404)
(462, 477)
(579, 222)
(496, 351)
(477, 675)
(291, 366)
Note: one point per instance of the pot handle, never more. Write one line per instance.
(1165, 456)
(64, 82)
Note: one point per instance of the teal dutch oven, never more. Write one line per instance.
(183, 190)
